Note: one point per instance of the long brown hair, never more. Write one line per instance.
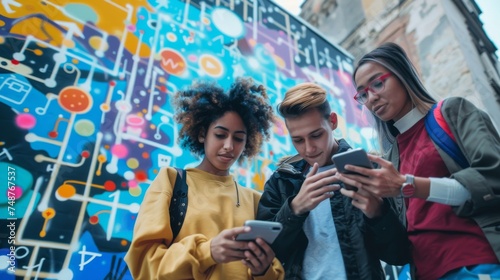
(394, 58)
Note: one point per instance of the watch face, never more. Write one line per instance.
(407, 190)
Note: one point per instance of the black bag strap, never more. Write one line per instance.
(178, 205)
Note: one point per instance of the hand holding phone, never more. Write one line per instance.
(266, 230)
(356, 157)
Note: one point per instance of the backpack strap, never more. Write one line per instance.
(178, 205)
(441, 135)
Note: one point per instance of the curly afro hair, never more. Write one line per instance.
(204, 102)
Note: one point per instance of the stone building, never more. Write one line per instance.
(444, 38)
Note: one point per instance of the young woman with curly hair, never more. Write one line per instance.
(221, 128)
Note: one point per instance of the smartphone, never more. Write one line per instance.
(264, 229)
(356, 157)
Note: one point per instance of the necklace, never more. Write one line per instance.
(237, 194)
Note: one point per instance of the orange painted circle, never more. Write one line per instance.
(66, 191)
(101, 158)
(172, 62)
(211, 65)
(74, 100)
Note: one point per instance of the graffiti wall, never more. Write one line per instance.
(86, 120)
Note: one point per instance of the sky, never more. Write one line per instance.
(490, 16)
(491, 20)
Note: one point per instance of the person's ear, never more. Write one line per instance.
(201, 137)
(334, 120)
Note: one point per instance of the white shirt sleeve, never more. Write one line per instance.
(448, 191)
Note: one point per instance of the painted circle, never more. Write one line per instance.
(211, 65)
(119, 150)
(84, 127)
(105, 107)
(129, 175)
(132, 163)
(75, 100)
(4, 262)
(279, 61)
(123, 106)
(25, 121)
(131, 28)
(172, 62)
(228, 22)
(141, 175)
(93, 220)
(65, 273)
(97, 43)
(132, 184)
(135, 191)
(66, 191)
(134, 120)
(109, 186)
(85, 154)
(171, 37)
(101, 158)
(134, 207)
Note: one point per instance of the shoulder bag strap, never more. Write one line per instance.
(178, 205)
(441, 135)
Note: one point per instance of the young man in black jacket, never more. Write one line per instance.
(328, 232)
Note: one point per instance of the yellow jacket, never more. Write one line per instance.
(211, 209)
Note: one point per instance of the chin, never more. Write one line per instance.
(224, 167)
(319, 162)
(383, 119)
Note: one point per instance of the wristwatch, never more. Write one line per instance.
(408, 187)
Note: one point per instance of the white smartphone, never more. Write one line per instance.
(264, 229)
(356, 157)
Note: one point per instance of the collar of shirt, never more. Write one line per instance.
(409, 120)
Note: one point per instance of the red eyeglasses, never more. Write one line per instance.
(376, 86)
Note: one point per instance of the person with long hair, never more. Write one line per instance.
(452, 214)
(221, 128)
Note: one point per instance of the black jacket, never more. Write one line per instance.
(363, 241)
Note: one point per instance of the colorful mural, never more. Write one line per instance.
(86, 120)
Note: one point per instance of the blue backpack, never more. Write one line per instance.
(441, 134)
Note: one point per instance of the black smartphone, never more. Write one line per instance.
(356, 157)
(264, 229)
